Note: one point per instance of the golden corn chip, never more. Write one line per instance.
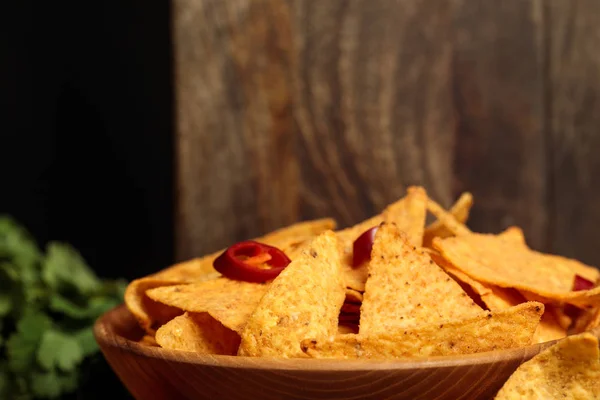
(353, 296)
(587, 320)
(491, 331)
(350, 308)
(549, 328)
(446, 219)
(409, 214)
(148, 312)
(561, 316)
(229, 301)
(148, 340)
(199, 333)
(405, 287)
(567, 370)
(303, 301)
(460, 211)
(347, 328)
(496, 260)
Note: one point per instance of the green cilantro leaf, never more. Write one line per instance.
(64, 268)
(87, 341)
(22, 345)
(60, 350)
(5, 303)
(45, 385)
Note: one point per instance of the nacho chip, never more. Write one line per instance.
(567, 370)
(303, 301)
(446, 219)
(147, 312)
(406, 288)
(460, 211)
(409, 214)
(587, 320)
(549, 328)
(344, 329)
(491, 331)
(148, 340)
(199, 333)
(496, 260)
(229, 301)
(561, 316)
(353, 296)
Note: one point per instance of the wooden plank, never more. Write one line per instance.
(498, 93)
(372, 99)
(237, 172)
(291, 110)
(574, 102)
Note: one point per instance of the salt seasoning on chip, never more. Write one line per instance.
(570, 369)
(199, 333)
(303, 301)
(406, 288)
(229, 301)
(491, 331)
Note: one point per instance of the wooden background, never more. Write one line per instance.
(297, 109)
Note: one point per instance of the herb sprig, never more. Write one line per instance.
(49, 301)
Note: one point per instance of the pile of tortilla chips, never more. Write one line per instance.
(427, 290)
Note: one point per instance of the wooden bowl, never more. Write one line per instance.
(156, 373)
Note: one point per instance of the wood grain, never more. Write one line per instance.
(156, 373)
(498, 88)
(296, 109)
(573, 42)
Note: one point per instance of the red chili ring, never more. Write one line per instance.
(230, 264)
(363, 246)
(580, 283)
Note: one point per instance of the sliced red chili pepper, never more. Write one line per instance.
(362, 247)
(580, 283)
(241, 261)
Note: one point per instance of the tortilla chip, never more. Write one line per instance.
(351, 308)
(303, 301)
(148, 313)
(567, 370)
(491, 331)
(344, 329)
(587, 320)
(446, 219)
(496, 260)
(405, 287)
(561, 316)
(199, 333)
(228, 301)
(409, 214)
(353, 296)
(148, 340)
(549, 328)
(460, 211)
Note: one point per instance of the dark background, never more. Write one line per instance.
(86, 134)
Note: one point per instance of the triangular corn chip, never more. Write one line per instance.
(409, 214)
(496, 260)
(492, 331)
(567, 370)
(303, 301)
(549, 328)
(460, 211)
(228, 301)
(406, 288)
(199, 333)
(446, 219)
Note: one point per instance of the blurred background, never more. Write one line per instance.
(145, 133)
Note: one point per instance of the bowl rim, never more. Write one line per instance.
(106, 336)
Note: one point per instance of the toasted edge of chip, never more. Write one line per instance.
(460, 210)
(492, 331)
(304, 300)
(199, 333)
(568, 369)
